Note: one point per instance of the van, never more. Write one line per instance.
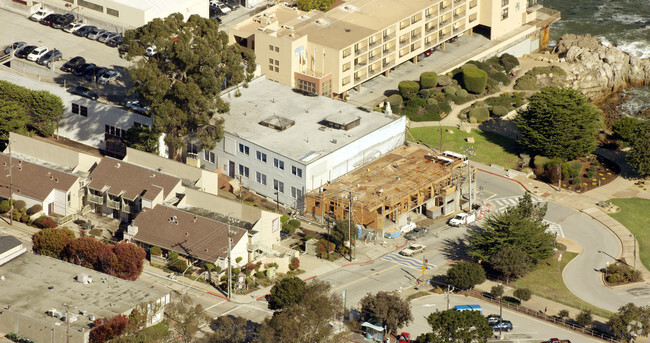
(468, 308)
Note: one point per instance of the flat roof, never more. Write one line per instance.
(308, 139)
(28, 277)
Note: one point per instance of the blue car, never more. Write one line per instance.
(504, 325)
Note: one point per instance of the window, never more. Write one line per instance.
(270, 47)
(270, 61)
(278, 186)
(278, 164)
(243, 171)
(277, 70)
(112, 12)
(307, 86)
(114, 131)
(504, 3)
(243, 149)
(504, 14)
(274, 62)
(68, 197)
(277, 49)
(293, 192)
(91, 5)
(261, 156)
(296, 171)
(260, 178)
(75, 108)
(84, 111)
(208, 156)
(346, 66)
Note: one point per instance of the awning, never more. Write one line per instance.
(372, 326)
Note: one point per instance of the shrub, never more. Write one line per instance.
(465, 275)
(416, 103)
(408, 89)
(295, 223)
(499, 111)
(24, 218)
(474, 80)
(178, 265)
(19, 205)
(444, 80)
(449, 90)
(34, 209)
(295, 263)
(395, 100)
(209, 267)
(236, 271)
(238, 259)
(624, 127)
(172, 256)
(522, 294)
(288, 229)
(459, 100)
(432, 109)
(462, 93)
(576, 166)
(500, 77)
(44, 222)
(540, 161)
(157, 251)
(424, 94)
(428, 79)
(563, 314)
(526, 82)
(437, 96)
(260, 275)
(4, 206)
(445, 107)
(508, 62)
(479, 114)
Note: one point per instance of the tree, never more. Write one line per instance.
(45, 110)
(183, 80)
(630, 319)
(639, 155)
(186, 319)
(130, 258)
(559, 122)
(497, 291)
(143, 138)
(107, 329)
(290, 290)
(306, 321)
(584, 318)
(523, 294)
(465, 275)
(231, 329)
(459, 326)
(624, 128)
(388, 308)
(12, 119)
(308, 5)
(510, 262)
(52, 242)
(86, 252)
(520, 227)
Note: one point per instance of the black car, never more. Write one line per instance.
(73, 63)
(92, 74)
(115, 41)
(50, 19)
(63, 20)
(82, 69)
(25, 51)
(50, 56)
(85, 92)
(84, 30)
(416, 233)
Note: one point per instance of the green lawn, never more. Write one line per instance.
(546, 282)
(489, 147)
(634, 216)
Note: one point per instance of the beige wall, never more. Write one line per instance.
(68, 158)
(211, 202)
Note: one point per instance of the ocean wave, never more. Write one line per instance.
(639, 49)
(626, 18)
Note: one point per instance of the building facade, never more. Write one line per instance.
(330, 53)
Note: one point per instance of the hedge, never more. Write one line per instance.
(449, 90)
(34, 209)
(445, 107)
(156, 251)
(508, 62)
(408, 89)
(499, 111)
(19, 205)
(4, 206)
(500, 77)
(295, 223)
(428, 79)
(178, 266)
(424, 94)
(526, 82)
(416, 103)
(395, 100)
(474, 80)
(479, 114)
(44, 222)
(444, 80)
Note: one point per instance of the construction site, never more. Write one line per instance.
(385, 193)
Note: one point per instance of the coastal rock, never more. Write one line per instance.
(597, 69)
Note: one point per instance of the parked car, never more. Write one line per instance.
(81, 70)
(73, 63)
(416, 233)
(50, 56)
(63, 21)
(72, 27)
(84, 30)
(37, 53)
(51, 18)
(221, 7)
(150, 50)
(15, 47)
(493, 319)
(95, 33)
(40, 14)
(557, 340)
(115, 41)
(503, 325)
(106, 36)
(412, 250)
(404, 337)
(109, 76)
(461, 219)
(22, 53)
(85, 92)
(135, 106)
(92, 74)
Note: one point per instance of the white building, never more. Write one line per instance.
(281, 143)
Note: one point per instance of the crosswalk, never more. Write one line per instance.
(405, 261)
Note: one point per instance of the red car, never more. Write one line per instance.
(404, 337)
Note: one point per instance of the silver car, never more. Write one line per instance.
(95, 33)
(106, 36)
(109, 76)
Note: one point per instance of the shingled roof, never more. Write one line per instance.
(130, 180)
(185, 233)
(32, 180)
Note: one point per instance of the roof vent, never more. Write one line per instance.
(194, 220)
(187, 234)
(153, 175)
(117, 165)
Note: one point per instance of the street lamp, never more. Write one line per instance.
(190, 285)
(634, 239)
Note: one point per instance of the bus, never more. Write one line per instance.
(468, 308)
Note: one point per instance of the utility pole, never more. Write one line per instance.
(229, 261)
(470, 152)
(67, 323)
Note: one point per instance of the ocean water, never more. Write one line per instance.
(621, 23)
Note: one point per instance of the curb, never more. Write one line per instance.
(505, 177)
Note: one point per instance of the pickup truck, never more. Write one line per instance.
(462, 218)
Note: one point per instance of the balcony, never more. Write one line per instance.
(444, 36)
(459, 15)
(403, 42)
(373, 44)
(459, 28)
(388, 64)
(359, 78)
(96, 199)
(360, 51)
(373, 58)
(389, 37)
(360, 65)
(113, 204)
(444, 7)
(128, 208)
(445, 22)
(459, 2)
(416, 37)
(431, 28)
(388, 51)
(473, 4)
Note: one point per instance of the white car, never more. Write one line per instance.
(108, 76)
(72, 27)
(135, 106)
(37, 53)
(221, 7)
(150, 50)
(40, 14)
(412, 250)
